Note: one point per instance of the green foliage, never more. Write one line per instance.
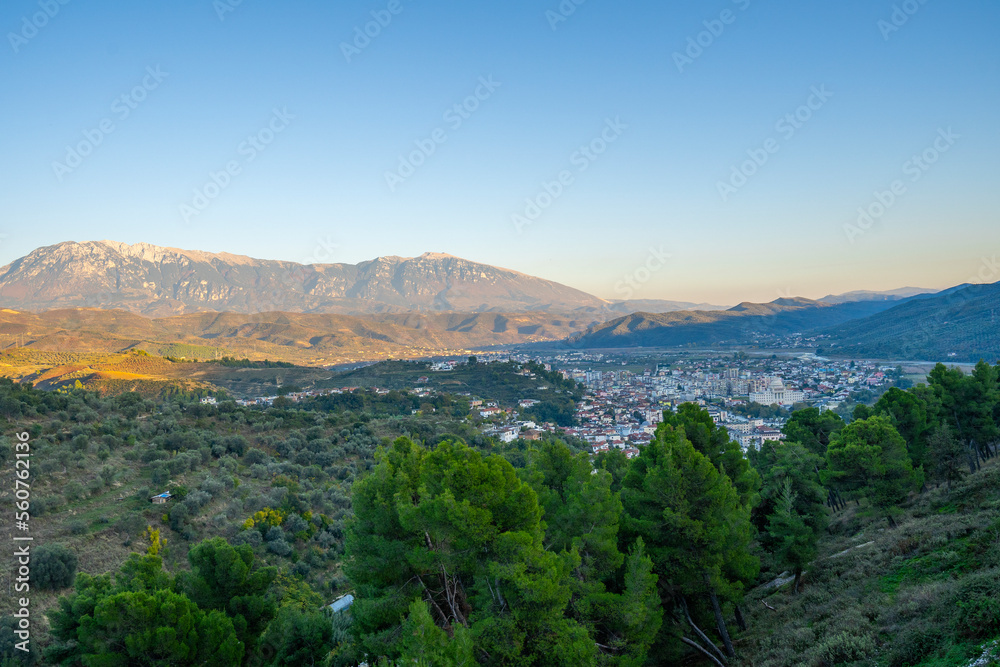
(868, 458)
(224, 578)
(908, 412)
(425, 644)
(156, 628)
(713, 441)
(53, 566)
(977, 600)
(947, 455)
(297, 637)
(463, 533)
(138, 620)
(813, 429)
(794, 541)
(692, 523)
(968, 405)
(581, 515)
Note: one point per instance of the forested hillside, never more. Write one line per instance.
(874, 542)
(960, 324)
(745, 323)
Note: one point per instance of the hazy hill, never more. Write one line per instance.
(658, 306)
(742, 323)
(868, 295)
(152, 280)
(960, 322)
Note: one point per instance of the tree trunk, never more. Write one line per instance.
(698, 631)
(699, 647)
(892, 522)
(798, 578)
(719, 620)
(739, 619)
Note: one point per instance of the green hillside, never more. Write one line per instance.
(960, 325)
(874, 542)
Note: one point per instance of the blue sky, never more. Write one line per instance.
(317, 189)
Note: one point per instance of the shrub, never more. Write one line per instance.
(846, 647)
(280, 547)
(53, 567)
(72, 490)
(978, 606)
(77, 527)
(913, 646)
(159, 475)
(251, 537)
(179, 516)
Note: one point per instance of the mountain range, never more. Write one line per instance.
(110, 296)
(957, 324)
(158, 281)
(744, 323)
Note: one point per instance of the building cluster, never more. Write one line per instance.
(782, 382)
(623, 406)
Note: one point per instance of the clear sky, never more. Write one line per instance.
(115, 114)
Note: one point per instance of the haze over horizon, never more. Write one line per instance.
(169, 95)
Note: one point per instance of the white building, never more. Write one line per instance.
(776, 394)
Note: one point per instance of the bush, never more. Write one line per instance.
(846, 647)
(913, 646)
(978, 606)
(178, 516)
(53, 567)
(251, 537)
(159, 475)
(77, 527)
(72, 491)
(280, 547)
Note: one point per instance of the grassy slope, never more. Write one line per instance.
(897, 601)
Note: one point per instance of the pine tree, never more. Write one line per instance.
(868, 459)
(696, 531)
(794, 541)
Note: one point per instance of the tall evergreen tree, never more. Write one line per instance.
(697, 532)
(868, 458)
(908, 413)
(462, 533)
(581, 516)
(714, 442)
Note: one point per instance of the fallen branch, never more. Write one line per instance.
(702, 635)
(763, 602)
(698, 646)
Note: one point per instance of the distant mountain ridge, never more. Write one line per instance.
(961, 324)
(159, 281)
(887, 295)
(743, 323)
